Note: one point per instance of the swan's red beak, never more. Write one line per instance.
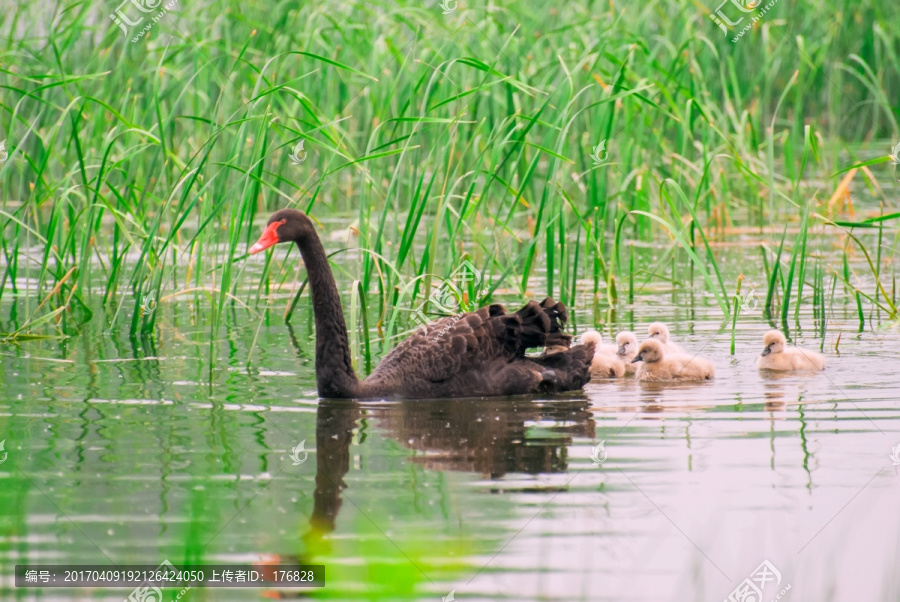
(269, 237)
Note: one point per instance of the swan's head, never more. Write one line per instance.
(650, 351)
(592, 336)
(774, 342)
(659, 331)
(627, 343)
(284, 226)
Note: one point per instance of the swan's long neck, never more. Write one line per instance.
(334, 372)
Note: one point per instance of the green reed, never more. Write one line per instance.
(148, 167)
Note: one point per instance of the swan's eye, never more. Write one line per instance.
(269, 237)
(275, 225)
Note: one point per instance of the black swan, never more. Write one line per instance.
(477, 354)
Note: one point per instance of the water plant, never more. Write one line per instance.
(542, 144)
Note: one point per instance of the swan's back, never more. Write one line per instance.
(791, 359)
(676, 367)
(606, 363)
(482, 353)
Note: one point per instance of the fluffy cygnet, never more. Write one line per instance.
(779, 357)
(606, 363)
(660, 365)
(628, 347)
(660, 332)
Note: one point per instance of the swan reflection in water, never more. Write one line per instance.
(491, 437)
(486, 436)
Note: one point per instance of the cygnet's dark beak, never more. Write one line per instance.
(637, 359)
(766, 351)
(621, 350)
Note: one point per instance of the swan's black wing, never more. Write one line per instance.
(566, 371)
(444, 348)
(467, 351)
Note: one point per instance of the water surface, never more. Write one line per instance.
(169, 447)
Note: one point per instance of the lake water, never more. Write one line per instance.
(138, 450)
